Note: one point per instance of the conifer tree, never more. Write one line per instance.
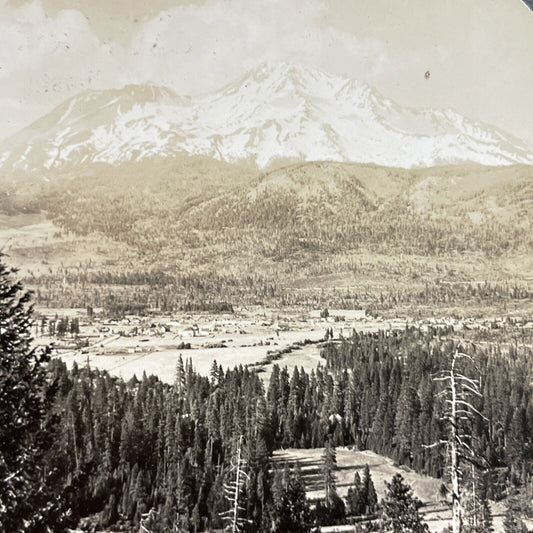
(329, 465)
(400, 509)
(333, 508)
(370, 498)
(179, 379)
(354, 497)
(290, 513)
(407, 414)
(26, 502)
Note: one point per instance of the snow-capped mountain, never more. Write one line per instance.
(275, 111)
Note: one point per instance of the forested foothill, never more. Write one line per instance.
(456, 239)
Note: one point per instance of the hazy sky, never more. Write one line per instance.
(479, 52)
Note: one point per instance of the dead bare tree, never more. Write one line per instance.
(459, 392)
(233, 492)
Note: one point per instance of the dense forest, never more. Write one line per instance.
(307, 208)
(81, 445)
(315, 234)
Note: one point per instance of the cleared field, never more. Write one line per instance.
(231, 340)
(351, 461)
(163, 363)
(233, 343)
(437, 514)
(37, 246)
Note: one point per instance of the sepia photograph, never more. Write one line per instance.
(266, 266)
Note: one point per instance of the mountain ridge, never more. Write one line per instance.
(275, 112)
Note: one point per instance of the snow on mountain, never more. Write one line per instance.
(275, 111)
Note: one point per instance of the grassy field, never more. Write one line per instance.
(258, 338)
(436, 513)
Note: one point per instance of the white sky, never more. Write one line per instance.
(479, 52)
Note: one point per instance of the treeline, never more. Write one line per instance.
(454, 293)
(204, 282)
(142, 292)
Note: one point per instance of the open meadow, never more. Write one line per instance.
(436, 511)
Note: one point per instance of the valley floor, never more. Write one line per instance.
(254, 337)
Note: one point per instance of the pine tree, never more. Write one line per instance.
(26, 502)
(407, 414)
(179, 379)
(290, 513)
(354, 497)
(215, 373)
(333, 508)
(370, 497)
(329, 465)
(362, 498)
(400, 509)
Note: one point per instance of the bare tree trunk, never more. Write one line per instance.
(75, 444)
(457, 525)
(233, 493)
(474, 501)
(458, 390)
(237, 486)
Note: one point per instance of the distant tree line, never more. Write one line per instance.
(141, 292)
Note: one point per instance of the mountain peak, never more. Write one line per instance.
(303, 79)
(275, 111)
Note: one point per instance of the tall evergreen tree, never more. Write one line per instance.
(354, 497)
(329, 465)
(370, 497)
(26, 499)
